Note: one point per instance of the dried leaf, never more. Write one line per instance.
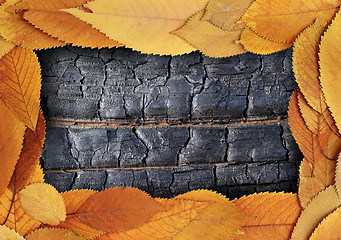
(63, 25)
(28, 164)
(117, 209)
(283, 20)
(272, 215)
(13, 216)
(144, 25)
(259, 45)
(221, 219)
(166, 224)
(305, 65)
(329, 228)
(14, 28)
(225, 13)
(43, 202)
(53, 234)
(9, 234)
(330, 75)
(209, 39)
(318, 208)
(20, 85)
(5, 47)
(11, 139)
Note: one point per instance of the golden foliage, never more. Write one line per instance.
(9, 234)
(6, 47)
(139, 26)
(20, 85)
(271, 215)
(42, 202)
(209, 39)
(53, 234)
(329, 228)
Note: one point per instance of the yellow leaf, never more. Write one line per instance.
(53, 234)
(271, 215)
(5, 47)
(225, 13)
(209, 39)
(318, 208)
(14, 28)
(254, 43)
(164, 225)
(329, 228)
(9, 234)
(221, 219)
(13, 216)
(305, 65)
(283, 20)
(11, 139)
(43, 202)
(117, 209)
(28, 165)
(20, 85)
(63, 25)
(144, 25)
(330, 75)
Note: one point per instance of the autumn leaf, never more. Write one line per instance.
(329, 228)
(317, 209)
(11, 139)
(226, 13)
(13, 216)
(330, 74)
(29, 160)
(117, 209)
(221, 219)
(9, 234)
(20, 85)
(64, 26)
(54, 234)
(305, 65)
(139, 26)
(209, 39)
(15, 29)
(271, 215)
(163, 225)
(283, 20)
(259, 45)
(43, 202)
(5, 47)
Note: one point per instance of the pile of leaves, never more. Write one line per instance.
(32, 209)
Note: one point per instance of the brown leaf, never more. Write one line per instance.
(64, 26)
(43, 202)
(54, 234)
(20, 85)
(209, 39)
(11, 139)
(117, 209)
(283, 20)
(271, 215)
(9, 234)
(318, 208)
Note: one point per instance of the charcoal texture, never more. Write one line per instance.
(168, 125)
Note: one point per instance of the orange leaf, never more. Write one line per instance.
(254, 43)
(11, 139)
(14, 28)
(305, 65)
(9, 234)
(166, 224)
(117, 209)
(318, 208)
(209, 39)
(43, 202)
(329, 228)
(272, 215)
(221, 219)
(64, 26)
(283, 20)
(5, 47)
(28, 162)
(53, 234)
(20, 85)
(13, 216)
